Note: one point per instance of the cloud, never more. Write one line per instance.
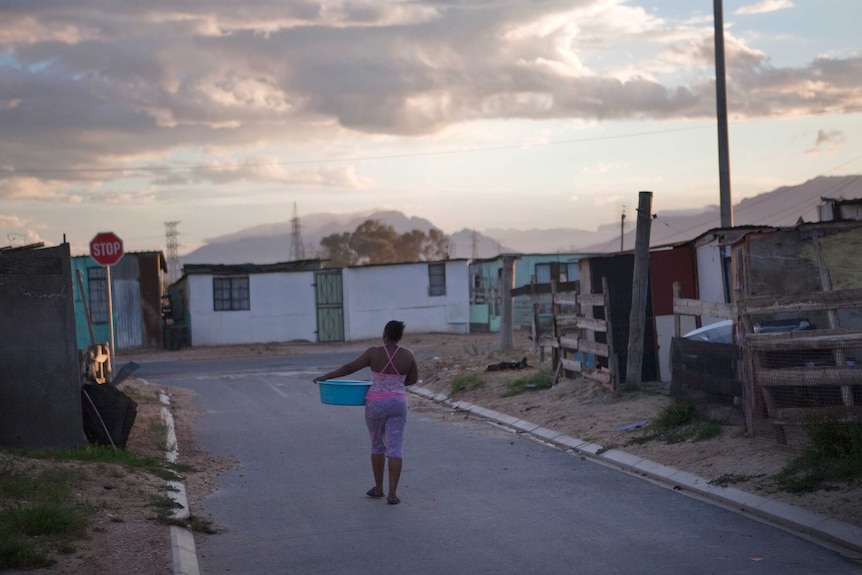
(31, 188)
(267, 172)
(765, 6)
(827, 142)
(92, 92)
(12, 221)
(17, 231)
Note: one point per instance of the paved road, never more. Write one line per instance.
(476, 499)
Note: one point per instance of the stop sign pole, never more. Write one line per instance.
(107, 249)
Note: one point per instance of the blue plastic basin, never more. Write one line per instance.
(343, 392)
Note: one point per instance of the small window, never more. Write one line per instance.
(97, 281)
(543, 273)
(436, 279)
(231, 294)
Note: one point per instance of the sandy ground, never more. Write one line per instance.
(576, 407)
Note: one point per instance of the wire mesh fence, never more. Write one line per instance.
(791, 383)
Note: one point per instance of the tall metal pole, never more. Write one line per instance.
(726, 204)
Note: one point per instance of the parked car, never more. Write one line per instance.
(723, 332)
(718, 332)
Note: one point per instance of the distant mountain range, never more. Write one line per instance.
(784, 206)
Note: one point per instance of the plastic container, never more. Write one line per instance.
(343, 392)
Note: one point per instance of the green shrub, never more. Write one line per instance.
(834, 454)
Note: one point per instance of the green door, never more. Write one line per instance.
(329, 298)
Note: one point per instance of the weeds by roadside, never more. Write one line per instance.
(677, 423)
(541, 379)
(834, 454)
(36, 519)
(467, 382)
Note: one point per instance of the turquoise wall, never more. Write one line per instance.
(101, 331)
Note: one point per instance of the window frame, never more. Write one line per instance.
(97, 294)
(436, 279)
(231, 293)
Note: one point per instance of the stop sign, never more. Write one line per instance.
(106, 248)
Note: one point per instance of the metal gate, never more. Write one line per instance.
(130, 319)
(329, 299)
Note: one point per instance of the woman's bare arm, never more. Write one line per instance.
(363, 360)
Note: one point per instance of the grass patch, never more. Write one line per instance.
(40, 515)
(165, 507)
(833, 455)
(467, 382)
(541, 379)
(159, 430)
(677, 423)
(36, 516)
(104, 454)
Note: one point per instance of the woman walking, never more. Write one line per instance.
(392, 369)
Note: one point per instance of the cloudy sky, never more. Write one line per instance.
(122, 115)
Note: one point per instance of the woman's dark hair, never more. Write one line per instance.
(394, 330)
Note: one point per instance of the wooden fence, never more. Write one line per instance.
(779, 380)
(796, 392)
(572, 333)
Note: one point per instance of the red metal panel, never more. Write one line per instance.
(667, 267)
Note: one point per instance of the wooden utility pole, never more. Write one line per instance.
(640, 285)
(622, 227)
(725, 201)
(507, 279)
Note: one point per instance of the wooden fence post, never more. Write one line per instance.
(507, 319)
(613, 360)
(640, 285)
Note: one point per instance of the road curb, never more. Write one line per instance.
(183, 550)
(822, 527)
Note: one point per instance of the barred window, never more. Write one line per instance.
(231, 294)
(436, 279)
(97, 280)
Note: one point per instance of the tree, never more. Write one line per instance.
(436, 247)
(374, 242)
(336, 249)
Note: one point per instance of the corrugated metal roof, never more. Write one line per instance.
(234, 269)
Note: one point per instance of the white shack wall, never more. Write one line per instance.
(282, 309)
(376, 294)
(710, 278)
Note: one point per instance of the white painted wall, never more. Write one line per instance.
(710, 281)
(374, 295)
(282, 309)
